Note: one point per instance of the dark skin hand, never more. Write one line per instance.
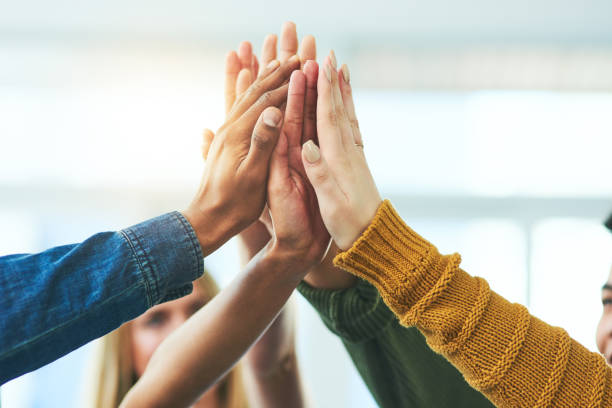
(233, 189)
(240, 70)
(206, 346)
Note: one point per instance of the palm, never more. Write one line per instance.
(292, 201)
(293, 205)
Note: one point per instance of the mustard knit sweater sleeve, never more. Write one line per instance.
(513, 358)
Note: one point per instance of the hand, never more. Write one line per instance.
(298, 230)
(241, 68)
(346, 192)
(241, 71)
(233, 189)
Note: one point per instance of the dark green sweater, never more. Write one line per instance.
(395, 362)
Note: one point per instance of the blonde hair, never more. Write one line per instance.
(113, 371)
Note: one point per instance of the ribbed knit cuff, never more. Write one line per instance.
(355, 314)
(405, 268)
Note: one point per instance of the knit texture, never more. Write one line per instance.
(394, 361)
(513, 358)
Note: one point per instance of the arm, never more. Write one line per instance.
(221, 332)
(513, 358)
(510, 356)
(271, 369)
(60, 299)
(56, 301)
(213, 339)
(394, 361)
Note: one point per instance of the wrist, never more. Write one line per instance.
(211, 228)
(293, 262)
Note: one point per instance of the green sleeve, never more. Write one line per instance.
(396, 364)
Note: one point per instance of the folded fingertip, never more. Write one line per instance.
(272, 116)
(346, 75)
(311, 152)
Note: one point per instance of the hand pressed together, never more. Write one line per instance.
(233, 189)
(338, 171)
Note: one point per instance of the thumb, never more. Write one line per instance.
(207, 138)
(318, 173)
(264, 139)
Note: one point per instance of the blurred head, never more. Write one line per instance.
(126, 351)
(604, 329)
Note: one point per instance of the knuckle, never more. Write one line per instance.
(254, 89)
(332, 117)
(262, 139)
(265, 98)
(320, 177)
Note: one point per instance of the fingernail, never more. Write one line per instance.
(346, 74)
(328, 72)
(273, 64)
(311, 152)
(332, 58)
(294, 59)
(271, 117)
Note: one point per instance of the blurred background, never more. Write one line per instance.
(487, 123)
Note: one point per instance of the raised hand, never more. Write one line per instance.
(233, 189)
(298, 229)
(346, 192)
(239, 68)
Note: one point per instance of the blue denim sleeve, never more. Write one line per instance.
(58, 300)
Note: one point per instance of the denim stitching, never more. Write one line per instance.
(195, 245)
(143, 273)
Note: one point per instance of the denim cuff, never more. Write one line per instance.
(355, 314)
(168, 255)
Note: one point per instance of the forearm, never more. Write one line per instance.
(213, 340)
(62, 298)
(327, 276)
(272, 375)
(508, 355)
(251, 240)
(271, 371)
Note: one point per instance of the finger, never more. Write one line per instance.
(344, 77)
(328, 133)
(276, 98)
(279, 162)
(255, 66)
(207, 138)
(308, 49)
(294, 112)
(288, 41)
(311, 71)
(232, 68)
(319, 174)
(343, 123)
(263, 142)
(268, 50)
(245, 53)
(245, 79)
(273, 77)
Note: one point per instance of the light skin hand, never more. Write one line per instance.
(253, 238)
(239, 76)
(255, 298)
(296, 221)
(338, 171)
(233, 189)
